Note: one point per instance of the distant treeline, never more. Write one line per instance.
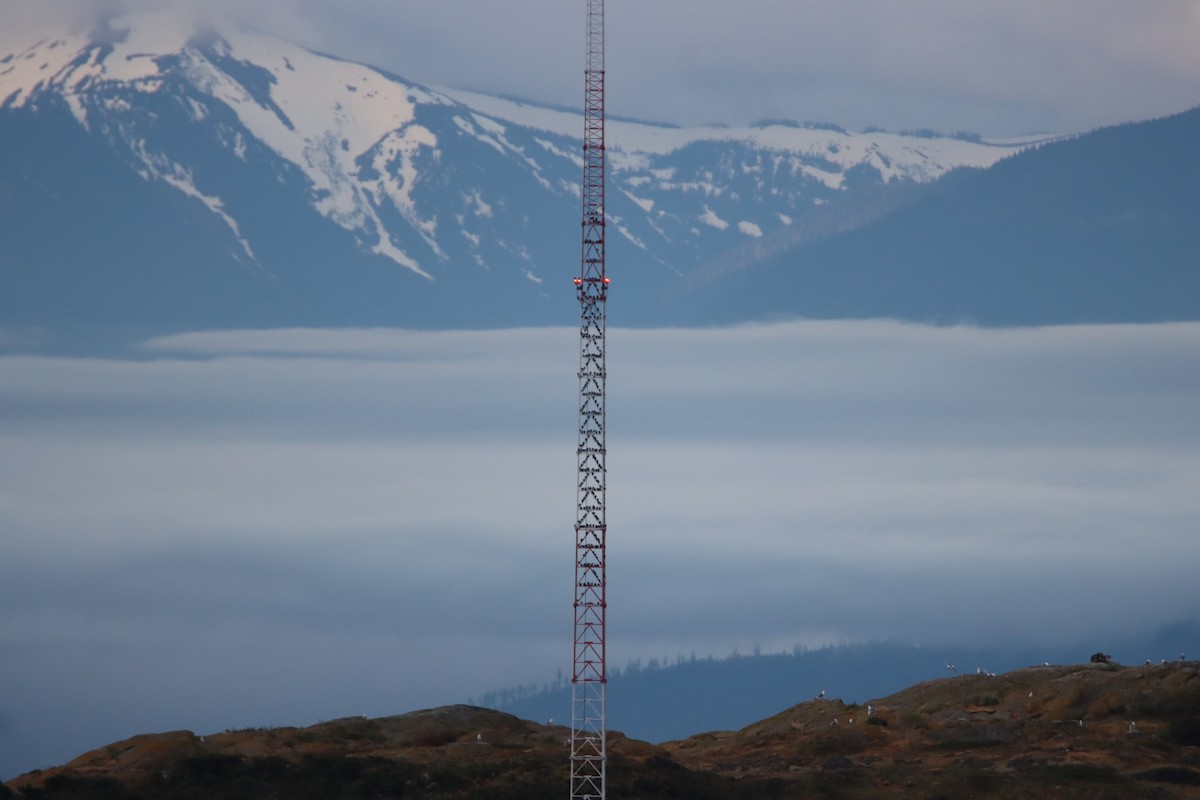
(672, 698)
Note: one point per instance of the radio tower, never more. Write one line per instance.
(588, 728)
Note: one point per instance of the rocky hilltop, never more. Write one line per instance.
(1092, 731)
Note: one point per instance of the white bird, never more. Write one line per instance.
(1181, 658)
(834, 723)
(1132, 728)
(952, 668)
(1031, 695)
(1148, 662)
(820, 695)
(870, 710)
(479, 738)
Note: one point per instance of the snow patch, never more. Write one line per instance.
(481, 208)
(182, 179)
(239, 146)
(643, 203)
(628, 234)
(394, 164)
(632, 143)
(490, 125)
(710, 218)
(325, 130)
(469, 129)
(554, 149)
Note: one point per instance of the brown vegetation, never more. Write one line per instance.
(1093, 731)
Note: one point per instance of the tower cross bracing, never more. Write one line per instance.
(589, 677)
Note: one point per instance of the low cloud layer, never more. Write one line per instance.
(270, 527)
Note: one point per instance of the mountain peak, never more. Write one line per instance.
(377, 172)
(328, 118)
(119, 47)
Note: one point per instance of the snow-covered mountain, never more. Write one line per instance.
(1096, 228)
(238, 179)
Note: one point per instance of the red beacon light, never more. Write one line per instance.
(579, 281)
(607, 281)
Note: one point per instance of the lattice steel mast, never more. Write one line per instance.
(588, 681)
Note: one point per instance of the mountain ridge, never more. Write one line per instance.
(655, 700)
(321, 191)
(1093, 228)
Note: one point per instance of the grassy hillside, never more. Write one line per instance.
(1094, 731)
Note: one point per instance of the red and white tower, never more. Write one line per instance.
(589, 678)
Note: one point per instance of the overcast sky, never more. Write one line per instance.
(997, 67)
(281, 527)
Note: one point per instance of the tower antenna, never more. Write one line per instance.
(589, 678)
